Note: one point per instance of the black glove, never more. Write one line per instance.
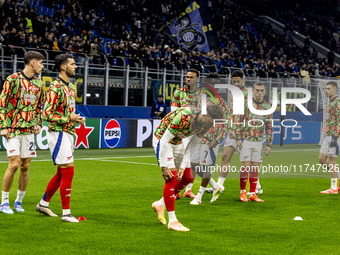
(333, 141)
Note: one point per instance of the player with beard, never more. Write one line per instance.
(59, 110)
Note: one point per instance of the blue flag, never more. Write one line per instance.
(193, 28)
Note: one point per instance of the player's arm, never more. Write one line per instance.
(175, 100)
(269, 134)
(4, 98)
(165, 148)
(337, 131)
(38, 117)
(335, 137)
(222, 129)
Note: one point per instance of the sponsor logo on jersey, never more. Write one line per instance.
(112, 133)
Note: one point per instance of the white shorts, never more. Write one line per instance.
(251, 151)
(203, 155)
(327, 150)
(230, 142)
(61, 147)
(177, 150)
(21, 145)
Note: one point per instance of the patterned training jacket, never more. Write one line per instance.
(181, 123)
(333, 118)
(60, 103)
(21, 102)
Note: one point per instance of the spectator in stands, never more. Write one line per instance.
(158, 110)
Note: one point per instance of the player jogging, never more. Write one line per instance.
(170, 148)
(59, 110)
(20, 118)
(329, 150)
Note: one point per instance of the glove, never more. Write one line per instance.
(333, 141)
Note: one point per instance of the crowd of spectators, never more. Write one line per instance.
(132, 29)
(319, 20)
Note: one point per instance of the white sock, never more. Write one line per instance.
(243, 190)
(5, 197)
(44, 203)
(189, 186)
(20, 196)
(66, 211)
(252, 193)
(334, 182)
(200, 193)
(220, 181)
(258, 185)
(172, 217)
(213, 184)
(161, 202)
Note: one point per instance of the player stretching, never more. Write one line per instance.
(251, 147)
(330, 145)
(189, 95)
(170, 148)
(59, 110)
(20, 111)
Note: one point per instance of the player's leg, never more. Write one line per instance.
(159, 205)
(13, 165)
(245, 168)
(245, 155)
(195, 148)
(204, 173)
(253, 178)
(228, 152)
(27, 151)
(328, 156)
(22, 183)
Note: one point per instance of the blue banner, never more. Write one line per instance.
(303, 132)
(193, 28)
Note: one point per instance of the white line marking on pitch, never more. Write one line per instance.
(129, 162)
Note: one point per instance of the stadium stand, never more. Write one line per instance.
(128, 33)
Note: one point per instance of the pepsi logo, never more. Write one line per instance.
(112, 133)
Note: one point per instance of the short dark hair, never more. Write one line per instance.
(237, 73)
(32, 55)
(333, 83)
(160, 96)
(215, 111)
(214, 77)
(193, 70)
(259, 83)
(62, 60)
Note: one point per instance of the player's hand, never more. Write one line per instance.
(333, 142)
(267, 150)
(37, 130)
(213, 144)
(81, 120)
(5, 133)
(167, 174)
(180, 174)
(239, 143)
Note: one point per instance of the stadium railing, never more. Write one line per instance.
(138, 86)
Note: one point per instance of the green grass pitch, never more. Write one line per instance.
(114, 190)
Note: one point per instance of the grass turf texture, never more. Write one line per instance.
(114, 190)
